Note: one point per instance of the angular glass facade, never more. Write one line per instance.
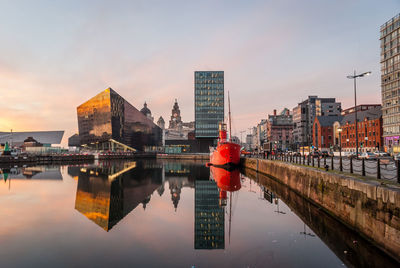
(208, 102)
(109, 116)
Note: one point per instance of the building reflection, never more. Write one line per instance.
(107, 193)
(210, 201)
(178, 176)
(32, 173)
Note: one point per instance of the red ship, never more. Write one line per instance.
(227, 153)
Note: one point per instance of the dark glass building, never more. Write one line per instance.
(208, 103)
(106, 194)
(209, 219)
(108, 116)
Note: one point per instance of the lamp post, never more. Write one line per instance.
(354, 77)
(340, 142)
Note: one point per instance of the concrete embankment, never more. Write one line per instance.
(352, 248)
(184, 156)
(367, 207)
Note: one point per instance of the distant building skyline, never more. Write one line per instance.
(50, 63)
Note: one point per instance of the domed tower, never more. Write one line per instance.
(176, 120)
(146, 111)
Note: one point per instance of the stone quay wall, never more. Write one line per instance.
(368, 207)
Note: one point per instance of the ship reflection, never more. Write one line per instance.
(210, 202)
(106, 194)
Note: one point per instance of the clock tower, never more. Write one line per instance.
(176, 120)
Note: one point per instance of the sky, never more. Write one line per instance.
(55, 55)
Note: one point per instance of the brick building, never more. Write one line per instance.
(369, 131)
(279, 130)
(323, 131)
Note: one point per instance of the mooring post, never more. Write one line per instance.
(351, 165)
(319, 160)
(398, 171)
(332, 162)
(378, 171)
(363, 167)
(341, 163)
(312, 159)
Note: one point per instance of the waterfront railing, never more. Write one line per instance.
(381, 169)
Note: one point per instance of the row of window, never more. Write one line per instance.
(209, 74)
(391, 119)
(387, 36)
(387, 130)
(209, 104)
(362, 143)
(217, 89)
(209, 81)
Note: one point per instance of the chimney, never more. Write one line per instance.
(274, 112)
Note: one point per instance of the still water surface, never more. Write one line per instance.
(165, 214)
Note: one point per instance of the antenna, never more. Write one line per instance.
(230, 119)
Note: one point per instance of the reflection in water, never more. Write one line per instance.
(105, 195)
(209, 225)
(35, 173)
(272, 225)
(30, 173)
(210, 202)
(107, 192)
(348, 245)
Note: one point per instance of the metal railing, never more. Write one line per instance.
(387, 169)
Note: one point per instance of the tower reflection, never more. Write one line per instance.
(210, 202)
(109, 192)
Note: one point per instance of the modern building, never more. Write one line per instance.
(209, 219)
(390, 83)
(107, 121)
(46, 138)
(369, 130)
(74, 141)
(360, 108)
(323, 132)
(209, 103)
(249, 142)
(279, 130)
(304, 115)
(259, 135)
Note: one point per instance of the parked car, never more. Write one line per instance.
(325, 153)
(369, 156)
(380, 154)
(352, 155)
(315, 154)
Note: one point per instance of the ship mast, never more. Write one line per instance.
(230, 119)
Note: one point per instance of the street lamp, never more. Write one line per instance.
(354, 77)
(340, 142)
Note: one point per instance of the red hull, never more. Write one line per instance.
(226, 180)
(226, 153)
